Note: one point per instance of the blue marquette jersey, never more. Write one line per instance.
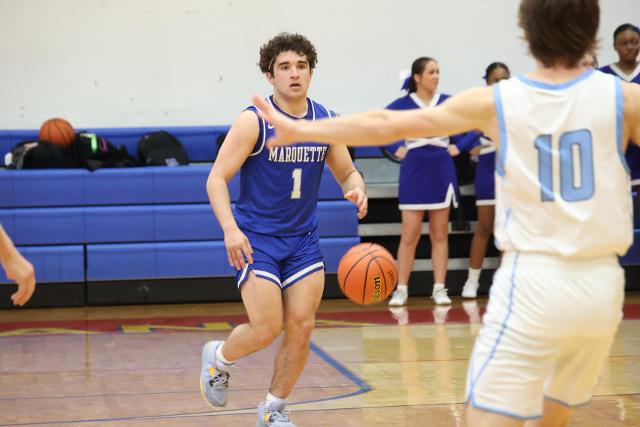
(279, 186)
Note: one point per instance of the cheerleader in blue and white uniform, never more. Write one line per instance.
(484, 186)
(427, 183)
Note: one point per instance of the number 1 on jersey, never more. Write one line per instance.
(297, 183)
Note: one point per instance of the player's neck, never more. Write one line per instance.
(555, 74)
(627, 67)
(425, 95)
(296, 107)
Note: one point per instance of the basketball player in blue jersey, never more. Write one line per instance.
(563, 213)
(17, 268)
(272, 237)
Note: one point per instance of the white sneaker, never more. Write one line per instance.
(399, 297)
(440, 296)
(470, 289)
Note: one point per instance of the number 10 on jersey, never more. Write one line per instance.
(576, 151)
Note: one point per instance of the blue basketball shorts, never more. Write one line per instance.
(283, 260)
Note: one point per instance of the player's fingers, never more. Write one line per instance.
(231, 254)
(19, 297)
(247, 252)
(240, 259)
(263, 106)
(351, 195)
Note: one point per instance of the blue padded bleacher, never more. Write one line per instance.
(137, 223)
(144, 223)
(126, 186)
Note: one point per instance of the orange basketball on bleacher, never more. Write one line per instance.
(367, 274)
(58, 131)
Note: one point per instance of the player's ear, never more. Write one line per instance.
(269, 77)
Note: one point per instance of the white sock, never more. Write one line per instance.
(404, 288)
(438, 286)
(220, 357)
(474, 274)
(270, 399)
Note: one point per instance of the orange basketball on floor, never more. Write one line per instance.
(57, 130)
(367, 274)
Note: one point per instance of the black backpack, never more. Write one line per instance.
(161, 149)
(40, 155)
(92, 152)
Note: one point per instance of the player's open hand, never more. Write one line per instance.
(21, 271)
(358, 198)
(283, 125)
(239, 249)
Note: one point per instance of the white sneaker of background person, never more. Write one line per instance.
(439, 294)
(399, 296)
(470, 289)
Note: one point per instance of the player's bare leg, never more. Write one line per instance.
(439, 236)
(554, 414)
(263, 303)
(411, 233)
(301, 301)
(479, 418)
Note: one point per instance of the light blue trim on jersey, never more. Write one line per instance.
(500, 334)
(551, 86)
(620, 123)
(502, 147)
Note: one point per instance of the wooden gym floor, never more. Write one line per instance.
(139, 366)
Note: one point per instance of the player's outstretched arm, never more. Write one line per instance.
(17, 268)
(631, 94)
(472, 109)
(234, 152)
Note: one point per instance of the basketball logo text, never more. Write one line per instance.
(376, 289)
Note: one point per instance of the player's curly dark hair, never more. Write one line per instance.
(284, 42)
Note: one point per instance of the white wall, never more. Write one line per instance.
(193, 62)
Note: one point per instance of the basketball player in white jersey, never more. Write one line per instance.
(563, 213)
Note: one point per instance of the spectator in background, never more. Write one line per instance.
(17, 268)
(484, 185)
(626, 42)
(427, 183)
(589, 60)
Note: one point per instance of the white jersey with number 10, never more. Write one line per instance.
(562, 184)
